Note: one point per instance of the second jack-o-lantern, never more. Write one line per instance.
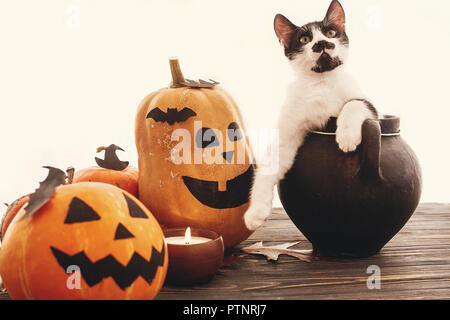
(194, 157)
(99, 230)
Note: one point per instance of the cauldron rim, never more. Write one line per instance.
(390, 126)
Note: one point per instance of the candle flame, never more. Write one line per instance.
(187, 236)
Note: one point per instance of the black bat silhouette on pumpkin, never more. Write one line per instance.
(171, 116)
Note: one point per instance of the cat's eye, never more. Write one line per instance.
(305, 39)
(330, 33)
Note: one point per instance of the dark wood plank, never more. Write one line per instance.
(415, 264)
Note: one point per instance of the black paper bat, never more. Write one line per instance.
(45, 191)
(171, 116)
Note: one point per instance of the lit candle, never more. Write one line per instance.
(187, 239)
(193, 258)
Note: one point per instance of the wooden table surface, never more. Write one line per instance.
(415, 264)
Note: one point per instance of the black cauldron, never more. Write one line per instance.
(351, 205)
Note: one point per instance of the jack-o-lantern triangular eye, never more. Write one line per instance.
(79, 211)
(134, 209)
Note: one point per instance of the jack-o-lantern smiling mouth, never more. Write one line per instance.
(207, 192)
(94, 272)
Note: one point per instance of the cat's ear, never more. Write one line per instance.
(336, 15)
(284, 30)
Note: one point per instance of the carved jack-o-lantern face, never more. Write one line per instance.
(209, 186)
(113, 240)
(236, 191)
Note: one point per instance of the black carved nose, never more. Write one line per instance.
(228, 156)
(122, 233)
(322, 45)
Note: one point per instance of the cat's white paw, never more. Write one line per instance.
(255, 216)
(348, 139)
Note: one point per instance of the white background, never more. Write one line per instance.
(72, 73)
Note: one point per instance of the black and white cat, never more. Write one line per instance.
(321, 89)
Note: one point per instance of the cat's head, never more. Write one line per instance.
(316, 47)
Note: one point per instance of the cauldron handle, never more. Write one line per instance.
(371, 147)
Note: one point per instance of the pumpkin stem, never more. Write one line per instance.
(177, 75)
(70, 173)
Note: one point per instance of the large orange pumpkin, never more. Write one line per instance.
(111, 170)
(211, 193)
(104, 231)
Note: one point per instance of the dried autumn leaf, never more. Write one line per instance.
(272, 252)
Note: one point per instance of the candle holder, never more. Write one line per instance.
(195, 263)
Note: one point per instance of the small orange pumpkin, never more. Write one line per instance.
(105, 232)
(11, 212)
(207, 196)
(111, 170)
